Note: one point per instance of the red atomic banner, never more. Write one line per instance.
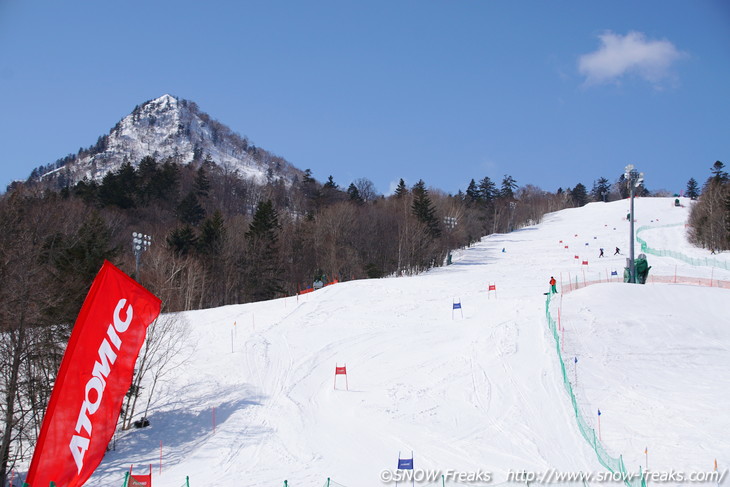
(95, 374)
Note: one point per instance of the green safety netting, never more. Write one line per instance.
(613, 464)
(704, 261)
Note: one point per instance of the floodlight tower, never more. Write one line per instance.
(140, 243)
(450, 222)
(634, 180)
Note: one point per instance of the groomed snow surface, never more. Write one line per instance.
(251, 400)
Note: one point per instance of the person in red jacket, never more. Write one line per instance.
(553, 282)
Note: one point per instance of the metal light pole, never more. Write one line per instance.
(634, 180)
(140, 243)
(512, 206)
(450, 222)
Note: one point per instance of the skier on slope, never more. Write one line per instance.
(553, 282)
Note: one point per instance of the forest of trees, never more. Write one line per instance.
(219, 239)
(709, 220)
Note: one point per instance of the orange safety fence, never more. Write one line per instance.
(694, 281)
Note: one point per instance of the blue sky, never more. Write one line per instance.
(552, 93)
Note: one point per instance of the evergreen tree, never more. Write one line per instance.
(201, 184)
(693, 190)
(330, 193)
(263, 281)
(309, 187)
(189, 210)
(423, 209)
(182, 241)
(146, 175)
(166, 182)
(147, 169)
(307, 179)
(87, 190)
(488, 190)
(119, 188)
(600, 190)
(472, 192)
(75, 260)
(509, 185)
(718, 173)
(212, 233)
(330, 184)
(354, 194)
(401, 190)
(579, 195)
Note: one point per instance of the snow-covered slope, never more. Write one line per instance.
(168, 128)
(471, 390)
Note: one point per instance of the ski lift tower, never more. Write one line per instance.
(634, 180)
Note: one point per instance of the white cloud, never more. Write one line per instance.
(629, 54)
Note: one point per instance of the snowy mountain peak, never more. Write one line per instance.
(172, 129)
(165, 99)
